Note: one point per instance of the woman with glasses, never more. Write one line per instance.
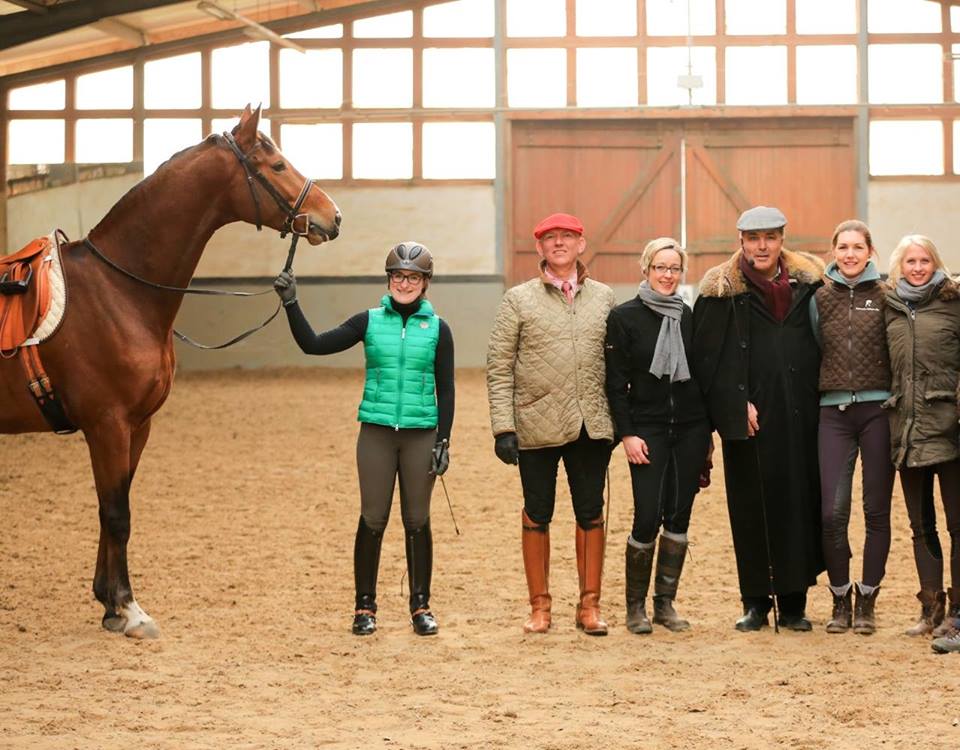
(405, 416)
(661, 419)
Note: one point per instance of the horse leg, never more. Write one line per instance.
(115, 451)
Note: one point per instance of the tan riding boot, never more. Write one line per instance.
(931, 612)
(590, 543)
(951, 619)
(536, 565)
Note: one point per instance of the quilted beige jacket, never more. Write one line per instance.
(545, 364)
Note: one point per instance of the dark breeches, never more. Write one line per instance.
(585, 462)
(664, 489)
(862, 429)
(917, 486)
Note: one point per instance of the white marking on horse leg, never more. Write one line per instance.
(139, 624)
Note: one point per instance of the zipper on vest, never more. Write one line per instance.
(850, 339)
(403, 356)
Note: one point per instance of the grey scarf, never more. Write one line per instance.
(669, 356)
(909, 293)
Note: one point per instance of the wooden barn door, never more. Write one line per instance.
(631, 181)
(622, 179)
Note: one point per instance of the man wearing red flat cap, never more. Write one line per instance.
(545, 383)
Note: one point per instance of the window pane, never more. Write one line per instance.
(954, 18)
(669, 17)
(172, 83)
(756, 16)
(311, 79)
(107, 89)
(826, 16)
(316, 150)
(389, 26)
(606, 17)
(102, 141)
(956, 73)
(956, 150)
(162, 138)
(333, 31)
(906, 147)
(666, 64)
(543, 18)
(903, 16)
(458, 78)
(463, 150)
(905, 73)
(35, 141)
(241, 75)
(464, 18)
(756, 75)
(607, 77)
(383, 150)
(827, 74)
(227, 124)
(537, 77)
(382, 78)
(50, 95)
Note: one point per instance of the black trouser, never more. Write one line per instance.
(917, 486)
(585, 461)
(663, 490)
(862, 428)
(792, 603)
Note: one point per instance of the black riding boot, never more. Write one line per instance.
(366, 563)
(419, 571)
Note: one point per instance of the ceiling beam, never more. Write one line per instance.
(121, 30)
(33, 7)
(28, 25)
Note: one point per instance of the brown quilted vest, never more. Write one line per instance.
(853, 338)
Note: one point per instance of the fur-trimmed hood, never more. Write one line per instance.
(727, 280)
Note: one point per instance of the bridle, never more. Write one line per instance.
(288, 227)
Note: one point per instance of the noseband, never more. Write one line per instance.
(292, 212)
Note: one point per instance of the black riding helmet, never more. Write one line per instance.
(410, 256)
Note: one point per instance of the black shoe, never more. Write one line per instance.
(752, 620)
(795, 622)
(364, 623)
(424, 623)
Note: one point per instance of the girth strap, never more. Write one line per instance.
(38, 383)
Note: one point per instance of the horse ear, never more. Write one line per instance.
(246, 131)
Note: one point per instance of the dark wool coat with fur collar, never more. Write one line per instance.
(742, 353)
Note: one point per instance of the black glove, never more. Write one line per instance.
(286, 286)
(440, 458)
(507, 448)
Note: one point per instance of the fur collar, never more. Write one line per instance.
(727, 280)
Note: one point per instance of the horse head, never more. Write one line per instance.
(293, 204)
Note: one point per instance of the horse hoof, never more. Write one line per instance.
(143, 631)
(114, 622)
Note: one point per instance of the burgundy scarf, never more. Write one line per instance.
(777, 294)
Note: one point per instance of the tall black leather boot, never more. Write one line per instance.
(419, 543)
(639, 566)
(670, 558)
(366, 564)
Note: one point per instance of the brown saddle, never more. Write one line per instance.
(24, 293)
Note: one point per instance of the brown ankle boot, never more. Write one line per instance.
(842, 618)
(536, 565)
(864, 619)
(639, 566)
(590, 543)
(951, 619)
(670, 558)
(931, 612)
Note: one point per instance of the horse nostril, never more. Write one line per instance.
(337, 218)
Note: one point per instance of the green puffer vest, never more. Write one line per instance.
(400, 390)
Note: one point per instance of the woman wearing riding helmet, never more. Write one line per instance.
(405, 416)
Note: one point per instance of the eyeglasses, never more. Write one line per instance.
(664, 270)
(413, 279)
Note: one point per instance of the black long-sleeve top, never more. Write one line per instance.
(353, 330)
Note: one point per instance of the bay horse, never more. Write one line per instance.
(112, 359)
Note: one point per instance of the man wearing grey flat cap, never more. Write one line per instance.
(758, 362)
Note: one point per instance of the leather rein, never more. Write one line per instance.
(289, 227)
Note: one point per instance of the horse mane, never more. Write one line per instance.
(134, 192)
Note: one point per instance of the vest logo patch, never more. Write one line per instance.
(424, 324)
(868, 306)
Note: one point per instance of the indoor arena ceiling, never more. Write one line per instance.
(41, 33)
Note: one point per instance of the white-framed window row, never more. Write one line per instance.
(410, 95)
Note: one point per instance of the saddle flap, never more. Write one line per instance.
(25, 296)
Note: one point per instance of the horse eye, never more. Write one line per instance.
(278, 166)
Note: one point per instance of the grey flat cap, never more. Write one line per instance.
(761, 217)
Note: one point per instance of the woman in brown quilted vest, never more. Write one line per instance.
(847, 313)
(923, 334)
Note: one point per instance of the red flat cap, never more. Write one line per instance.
(558, 221)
